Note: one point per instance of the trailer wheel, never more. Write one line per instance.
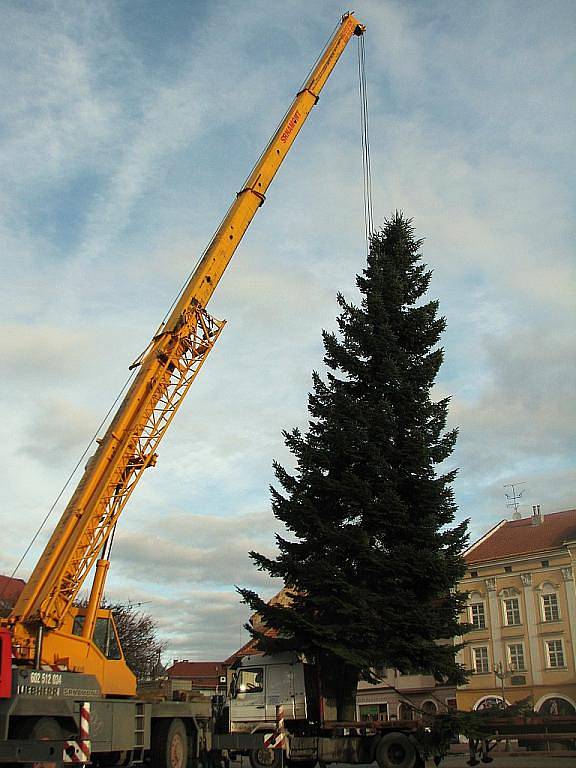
(265, 758)
(169, 747)
(395, 750)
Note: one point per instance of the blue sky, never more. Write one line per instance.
(127, 128)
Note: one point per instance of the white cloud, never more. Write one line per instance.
(122, 147)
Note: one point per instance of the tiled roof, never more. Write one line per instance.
(10, 589)
(196, 669)
(247, 649)
(524, 537)
(284, 598)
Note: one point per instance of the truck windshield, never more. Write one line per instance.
(251, 680)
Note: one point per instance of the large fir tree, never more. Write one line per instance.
(375, 555)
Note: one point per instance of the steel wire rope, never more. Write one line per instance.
(368, 229)
(365, 140)
(68, 481)
(407, 700)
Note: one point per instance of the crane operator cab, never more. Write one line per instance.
(70, 649)
(104, 636)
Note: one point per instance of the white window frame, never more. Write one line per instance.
(475, 648)
(549, 594)
(511, 664)
(549, 653)
(481, 604)
(508, 623)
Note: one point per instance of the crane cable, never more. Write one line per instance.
(68, 481)
(367, 173)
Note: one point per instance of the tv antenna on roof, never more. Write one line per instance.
(514, 497)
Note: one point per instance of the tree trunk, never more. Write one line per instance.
(338, 683)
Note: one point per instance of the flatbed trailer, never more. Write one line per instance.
(336, 742)
(534, 732)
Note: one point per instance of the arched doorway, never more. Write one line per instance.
(405, 711)
(489, 702)
(429, 710)
(556, 704)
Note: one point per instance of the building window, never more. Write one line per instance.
(507, 569)
(474, 574)
(512, 611)
(516, 657)
(478, 615)
(545, 563)
(550, 607)
(480, 660)
(555, 654)
(373, 712)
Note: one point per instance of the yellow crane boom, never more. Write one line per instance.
(167, 369)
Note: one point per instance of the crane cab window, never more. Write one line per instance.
(104, 636)
(251, 680)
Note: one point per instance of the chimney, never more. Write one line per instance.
(536, 516)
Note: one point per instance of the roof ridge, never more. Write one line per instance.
(527, 537)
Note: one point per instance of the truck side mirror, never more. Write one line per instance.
(233, 688)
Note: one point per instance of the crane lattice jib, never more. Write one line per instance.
(166, 372)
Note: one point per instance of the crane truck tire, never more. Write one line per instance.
(395, 750)
(41, 729)
(169, 744)
(266, 758)
(301, 763)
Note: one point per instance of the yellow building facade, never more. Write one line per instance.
(522, 607)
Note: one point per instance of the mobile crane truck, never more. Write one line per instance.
(66, 692)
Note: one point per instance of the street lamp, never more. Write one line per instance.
(501, 673)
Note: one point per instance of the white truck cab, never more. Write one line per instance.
(260, 683)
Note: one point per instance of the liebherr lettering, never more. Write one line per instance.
(290, 125)
(39, 690)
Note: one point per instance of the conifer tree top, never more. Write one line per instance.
(374, 556)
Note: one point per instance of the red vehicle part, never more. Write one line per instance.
(5, 664)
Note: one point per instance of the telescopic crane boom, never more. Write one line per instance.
(41, 621)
